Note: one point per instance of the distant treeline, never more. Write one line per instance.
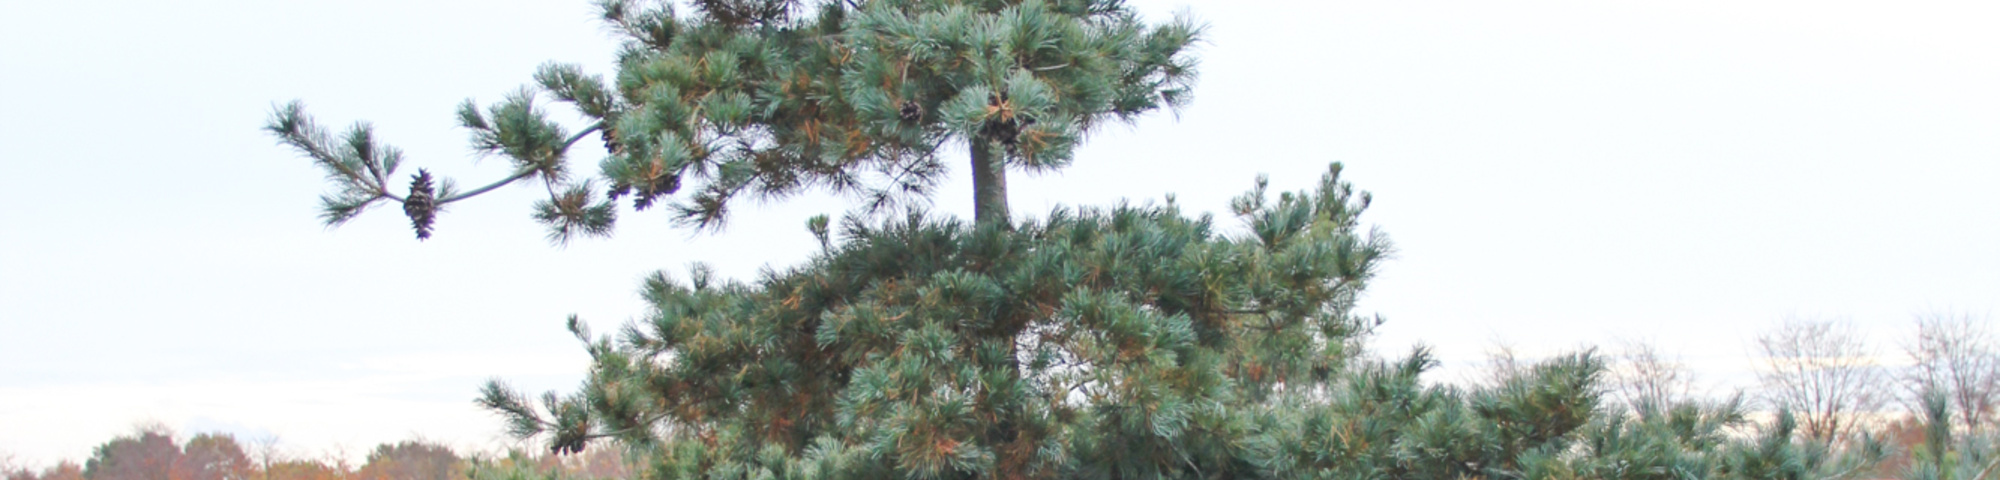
(152, 453)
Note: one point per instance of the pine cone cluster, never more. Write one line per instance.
(1004, 124)
(910, 111)
(745, 12)
(569, 441)
(421, 204)
(644, 194)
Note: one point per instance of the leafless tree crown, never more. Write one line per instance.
(1647, 378)
(1824, 372)
(1502, 364)
(1956, 355)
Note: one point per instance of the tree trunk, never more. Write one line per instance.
(989, 183)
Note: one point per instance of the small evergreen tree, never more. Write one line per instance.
(1383, 422)
(1778, 452)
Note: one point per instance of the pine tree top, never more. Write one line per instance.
(770, 98)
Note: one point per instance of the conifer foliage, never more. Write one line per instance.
(1092, 343)
(1101, 343)
(768, 98)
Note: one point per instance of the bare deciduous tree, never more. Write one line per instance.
(1646, 379)
(1823, 372)
(264, 452)
(1956, 355)
(1501, 364)
(10, 471)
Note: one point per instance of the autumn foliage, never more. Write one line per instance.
(153, 453)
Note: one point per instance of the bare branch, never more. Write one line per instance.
(1647, 379)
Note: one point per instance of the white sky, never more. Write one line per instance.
(1556, 173)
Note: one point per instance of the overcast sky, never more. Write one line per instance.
(1555, 174)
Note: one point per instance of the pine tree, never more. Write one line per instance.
(768, 98)
(1121, 342)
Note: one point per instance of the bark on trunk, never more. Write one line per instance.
(989, 183)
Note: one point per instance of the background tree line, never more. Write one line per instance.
(1930, 401)
(1834, 378)
(153, 452)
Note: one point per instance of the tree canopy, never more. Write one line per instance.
(1125, 342)
(1119, 341)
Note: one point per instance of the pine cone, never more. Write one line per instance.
(568, 442)
(910, 111)
(737, 13)
(1005, 131)
(421, 204)
(1003, 127)
(661, 186)
(610, 140)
